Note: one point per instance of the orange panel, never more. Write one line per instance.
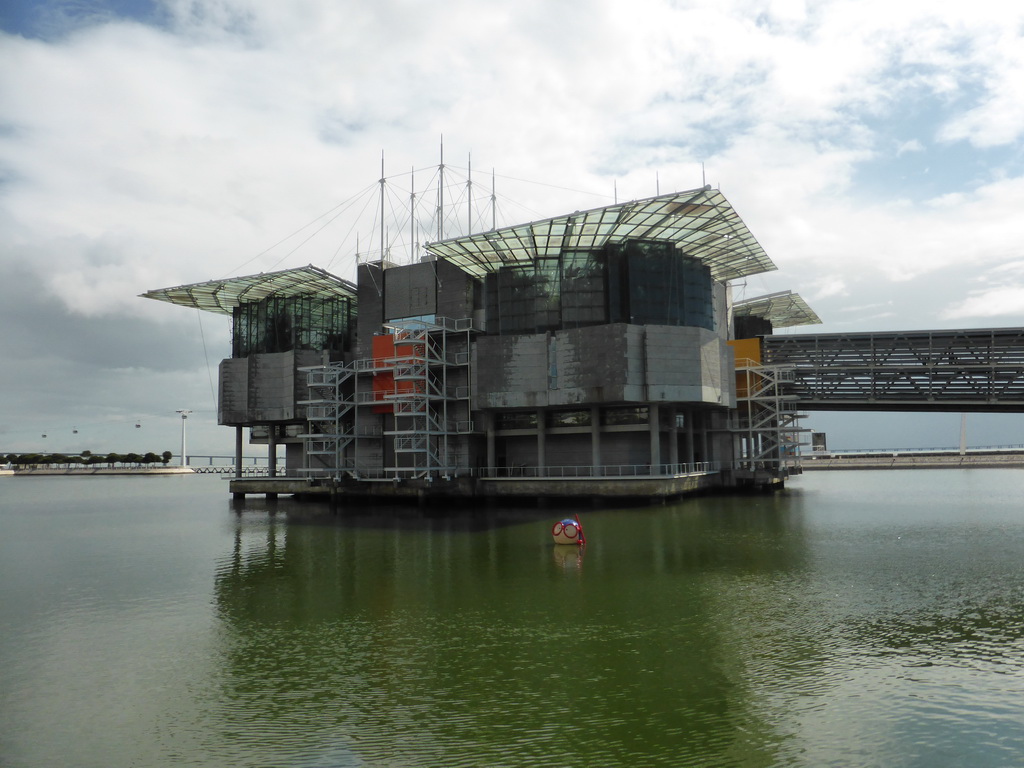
(747, 349)
(383, 382)
(384, 352)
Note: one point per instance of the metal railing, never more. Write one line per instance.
(609, 471)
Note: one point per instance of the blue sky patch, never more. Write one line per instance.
(52, 18)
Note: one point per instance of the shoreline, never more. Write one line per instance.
(899, 461)
(91, 471)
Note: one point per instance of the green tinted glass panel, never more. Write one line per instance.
(282, 324)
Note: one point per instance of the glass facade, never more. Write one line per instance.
(281, 324)
(640, 282)
(664, 287)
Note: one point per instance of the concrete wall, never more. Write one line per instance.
(567, 450)
(603, 364)
(619, 448)
(264, 389)
(410, 291)
(457, 292)
(687, 365)
(370, 289)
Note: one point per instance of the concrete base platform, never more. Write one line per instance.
(468, 488)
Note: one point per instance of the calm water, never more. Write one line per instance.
(858, 619)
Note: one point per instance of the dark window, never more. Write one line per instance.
(575, 418)
(618, 416)
(516, 420)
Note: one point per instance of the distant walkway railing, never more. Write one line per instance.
(1018, 448)
(222, 469)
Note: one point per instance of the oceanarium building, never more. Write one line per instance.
(597, 353)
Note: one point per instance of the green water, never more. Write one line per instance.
(857, 619)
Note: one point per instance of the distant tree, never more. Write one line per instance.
(96, 458)
(113, 458)
(133, 458)
(166, 456)
(150, 458)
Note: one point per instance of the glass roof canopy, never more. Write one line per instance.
(701, 223)
(783, 309)
(222, 296)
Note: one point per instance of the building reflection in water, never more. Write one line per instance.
(455, 632)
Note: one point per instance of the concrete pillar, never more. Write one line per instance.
(705, 446)
(491, 441)
(688, 426)
(653, 419)
(238, 451)
(272, 450)
(542, 460)
(595, 440)
(673, 436)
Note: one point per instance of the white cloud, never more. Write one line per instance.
(827, 286)
(134, 157)
(1006, 301)
(909, 146)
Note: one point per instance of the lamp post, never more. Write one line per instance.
(184, 415)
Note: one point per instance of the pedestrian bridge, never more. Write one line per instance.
(953, 370)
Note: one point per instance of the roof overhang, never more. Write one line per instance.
(222, 296)
(783, 309)
(701, 223)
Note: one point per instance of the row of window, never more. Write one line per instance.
(572, 418)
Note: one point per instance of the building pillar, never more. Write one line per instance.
(704, 446)
(688, 426)
(491, 441)
(595, 440)
(653, 414)
(238, 450)
(272, 450)
(673, 438)
(542, 461)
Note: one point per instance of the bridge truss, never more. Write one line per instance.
(952, 370)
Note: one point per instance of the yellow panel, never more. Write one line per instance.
(746, 349)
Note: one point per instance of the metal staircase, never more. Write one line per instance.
(427, 397)
(765, 423)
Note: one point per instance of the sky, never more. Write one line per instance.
(875, 149)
